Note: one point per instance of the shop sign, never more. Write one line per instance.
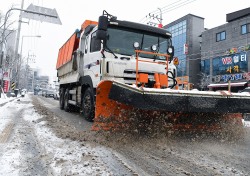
(6, 86)
(226, 78)
(232, 77)
(234, 59)
(182, 80)
(237, 50)
(185, 48)
(6, 76)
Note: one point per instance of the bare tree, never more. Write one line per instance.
(5, 20)
(5, 32)
(205, 80)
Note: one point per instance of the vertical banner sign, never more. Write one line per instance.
(185, 48)
(6, 86)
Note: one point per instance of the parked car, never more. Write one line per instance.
(246, 120)
(56, 95)
(44, 93)
(49, 93)
(40, 93)
(23, 92)
(247, 89)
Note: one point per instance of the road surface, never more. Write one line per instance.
(28, 146)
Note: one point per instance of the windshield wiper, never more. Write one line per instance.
(109, 50)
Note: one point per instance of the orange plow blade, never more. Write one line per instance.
(113, 115)
(109, 114)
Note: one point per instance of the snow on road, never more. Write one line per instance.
(32, 148)
(37, 141)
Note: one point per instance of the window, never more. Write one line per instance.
(220, 36)
(95, 44)
(120, 40)
(245, 29)
(205, 66)
(86, 44)
(178, 40)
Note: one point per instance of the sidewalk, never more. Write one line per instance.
(4, 99)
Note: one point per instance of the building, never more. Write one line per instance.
(7, 59)
(225, 53)
(186, 40)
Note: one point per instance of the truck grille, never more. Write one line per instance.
(129, 75)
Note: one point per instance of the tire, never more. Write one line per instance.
(88, 107)
(61, 99)
(66, 101)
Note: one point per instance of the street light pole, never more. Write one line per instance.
(16, 57)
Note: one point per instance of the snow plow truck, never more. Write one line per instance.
(115, 72)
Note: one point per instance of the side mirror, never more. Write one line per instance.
(101, 34)
(103, 23)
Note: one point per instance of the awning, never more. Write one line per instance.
(226, 84)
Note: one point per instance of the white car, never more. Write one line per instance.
(246, 120)
(56, 95)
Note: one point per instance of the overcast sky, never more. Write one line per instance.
(73, 13)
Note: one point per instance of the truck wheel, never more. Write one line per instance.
(66, 101)
(88, 105)
(61, 99)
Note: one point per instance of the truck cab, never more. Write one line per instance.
(110, 50)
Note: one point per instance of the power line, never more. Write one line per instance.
(161, 8)
(177, 6)
(166, 9)
(168, 6)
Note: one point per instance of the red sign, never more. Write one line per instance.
(227, 60)
(6, 86)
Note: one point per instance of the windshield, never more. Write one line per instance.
(121, 40)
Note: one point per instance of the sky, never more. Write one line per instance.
(72, 14)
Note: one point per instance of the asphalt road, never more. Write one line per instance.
(73, 118)
(164, 155)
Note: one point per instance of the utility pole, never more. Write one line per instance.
(16, 47)
(160, 19)
(155, 17)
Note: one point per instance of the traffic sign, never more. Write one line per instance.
(13, 85)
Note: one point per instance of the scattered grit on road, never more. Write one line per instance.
(42, 143)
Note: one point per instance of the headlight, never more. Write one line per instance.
(153, 47)
(170, 50)
(136, 45)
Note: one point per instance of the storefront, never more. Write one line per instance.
(231, 70)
